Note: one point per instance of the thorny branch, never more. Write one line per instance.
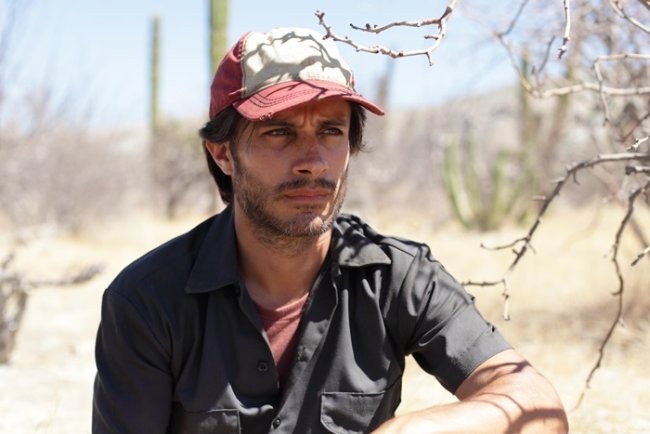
(521, 245)
(440, 22)
(621, 286)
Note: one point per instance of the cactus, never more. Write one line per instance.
(154, 76)
(218, 32)
(453, 181)
(498, 200)
(475, 207)
(527, 183)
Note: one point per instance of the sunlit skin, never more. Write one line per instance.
(289, 179)
(289, 172)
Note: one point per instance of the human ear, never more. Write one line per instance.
(221, 155)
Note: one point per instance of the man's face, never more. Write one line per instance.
(290, 172)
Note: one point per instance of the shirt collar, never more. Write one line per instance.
(354, 244)
(216, 265)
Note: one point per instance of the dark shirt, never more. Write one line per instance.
(181, 348)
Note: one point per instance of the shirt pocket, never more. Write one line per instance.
(209, 422)
(347, 413)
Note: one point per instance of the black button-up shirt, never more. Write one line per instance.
(181, 348)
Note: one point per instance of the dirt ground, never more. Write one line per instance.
(561, 306)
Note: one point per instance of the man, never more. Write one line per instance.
(282, 315)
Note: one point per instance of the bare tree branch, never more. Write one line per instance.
(637, 169)
(440, 22)
(599, 76)
(634, 147)
(515, 19)
(598, 87)
(80, 277)
(645, 252)
(616, 5)
(567, 29)
(621, 288)
(521, 245)
(14, 291)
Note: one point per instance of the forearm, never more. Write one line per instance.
(505, 395)
(486, 413)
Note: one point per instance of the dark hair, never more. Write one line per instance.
(224, 127)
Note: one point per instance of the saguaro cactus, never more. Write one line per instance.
(218, 32)
(154, 82)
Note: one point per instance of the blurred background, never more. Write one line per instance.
(517, 112)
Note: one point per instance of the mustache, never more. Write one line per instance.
(306, 183)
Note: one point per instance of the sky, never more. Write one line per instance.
(94, 54)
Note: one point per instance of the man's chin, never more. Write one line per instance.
(309, 225)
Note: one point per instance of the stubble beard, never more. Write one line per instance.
(289, 235)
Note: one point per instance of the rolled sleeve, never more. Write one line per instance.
(447, 335)
(133, 386)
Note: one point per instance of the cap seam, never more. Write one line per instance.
(242, 86)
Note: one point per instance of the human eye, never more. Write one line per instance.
(277, 132)
(332, 131)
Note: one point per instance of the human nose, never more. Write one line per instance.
(311, 160)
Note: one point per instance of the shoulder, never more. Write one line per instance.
(408, 270)
(357, 241)
(164, 269)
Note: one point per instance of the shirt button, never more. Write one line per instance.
(276, 422)
(301, 356)
(262, 366)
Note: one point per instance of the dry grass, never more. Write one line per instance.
(561, 308)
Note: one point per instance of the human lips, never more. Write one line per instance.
(308, 194)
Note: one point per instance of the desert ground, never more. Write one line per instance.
(561, 307)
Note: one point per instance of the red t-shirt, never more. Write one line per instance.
(281, 325)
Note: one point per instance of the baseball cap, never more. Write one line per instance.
(264, 73)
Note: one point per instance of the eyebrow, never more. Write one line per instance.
(335, 121)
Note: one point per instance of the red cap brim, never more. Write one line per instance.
(266, 102)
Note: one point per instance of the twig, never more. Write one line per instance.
(640, 256)
(616, 5)
(547, 54)
(634, 147)
(440, 22)
(599, 76)
(638, 123)
(374, 28)
(514, 20)
(629, 170)
(599, 87)
(601, 95)
(6, 261)
(587, 86)
(567, 29)
(621, 288)
(505, 293)
(75, 279)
